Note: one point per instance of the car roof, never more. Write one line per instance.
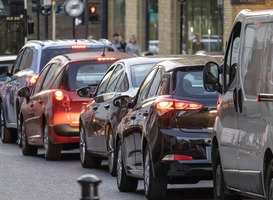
(8, 58)
(190, 60)
(82, 56)
(149, 59)
(66, 42)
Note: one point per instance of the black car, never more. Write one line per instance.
(99, 119)
(166, 135)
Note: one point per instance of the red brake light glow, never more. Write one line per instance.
(165, 105)
(33, 79)
(106, 58)
(79, 47)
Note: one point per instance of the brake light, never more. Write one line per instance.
(79, 47)
(33, 79)
(106, 58)
(176, 157)
(60, 99)
(165, 105)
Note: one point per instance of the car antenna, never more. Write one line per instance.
(103, 52)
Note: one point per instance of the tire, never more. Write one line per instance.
(124, 182)
(220, 192)
(87, 160)
(154, 188)
(6, 134)
(52, 151)
(269, 182)
(112, 160)
(27, 150)
(19, 131)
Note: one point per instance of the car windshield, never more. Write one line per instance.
(138, 73)
(83, 74)
(190, 83)
(50, 53)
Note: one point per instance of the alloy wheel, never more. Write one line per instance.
(82, 145)
(119, 165)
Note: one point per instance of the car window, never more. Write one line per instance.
(50, 75)
(27, 59)
(145, 86)
(138, 72)
(81, 74)
(164, 86)
(155, 83)
(40, 80)
(117, 73)
(190, 83)
(17, 61)
(123, 84)
(102, 87)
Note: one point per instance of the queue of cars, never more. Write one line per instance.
(149, 116)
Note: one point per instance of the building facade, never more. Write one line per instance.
(160, 26)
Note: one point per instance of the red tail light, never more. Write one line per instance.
(165, 105)
(33, 79)
(61, 99)
(176, 157)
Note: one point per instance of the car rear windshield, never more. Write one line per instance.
(83, 74)
(50, 53)
(138, 73)
(189, 82)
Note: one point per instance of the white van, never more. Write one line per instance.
(242, 141)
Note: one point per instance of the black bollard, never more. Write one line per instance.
(89, 184)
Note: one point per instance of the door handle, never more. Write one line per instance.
(107, 106)
(40, 101)
(95, 108)
(133, 117)
(235, 99)
(145, 114)
(240, 100)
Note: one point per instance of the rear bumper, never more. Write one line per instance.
(64, 133)
(174, 141)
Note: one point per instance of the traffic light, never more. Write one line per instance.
(93, 15)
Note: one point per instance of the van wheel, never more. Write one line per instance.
(154, 187)
(27, 150)
(125, 183)
(87, 160)
(220, 192)
(112, 161)
(269, 182)
(6, 134)
(52, 151)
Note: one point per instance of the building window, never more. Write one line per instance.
(202, 26)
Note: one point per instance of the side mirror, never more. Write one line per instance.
(123, 101)
(211, 77)
(85, 92)
(25, 92)
(4, 70)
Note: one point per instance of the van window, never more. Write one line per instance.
(252, 59)
(231, 60)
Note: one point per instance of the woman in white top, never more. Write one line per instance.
(133, 47)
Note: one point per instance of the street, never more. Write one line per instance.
(34, 178)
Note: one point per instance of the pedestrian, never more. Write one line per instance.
(115, 41)
(122, 43)
(133, 47)
(91, 37)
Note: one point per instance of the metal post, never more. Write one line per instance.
(89, 184)
(181, 25)
(104, 19)
(46, 26)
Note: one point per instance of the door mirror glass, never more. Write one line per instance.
(86, 92)
(211, 77)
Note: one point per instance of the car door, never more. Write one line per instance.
(132, 142)
(226, 125)
(31, 123)
(251, 117)
(95, 114)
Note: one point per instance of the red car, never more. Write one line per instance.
(49, 114)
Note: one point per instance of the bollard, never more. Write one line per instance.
(89, 184)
